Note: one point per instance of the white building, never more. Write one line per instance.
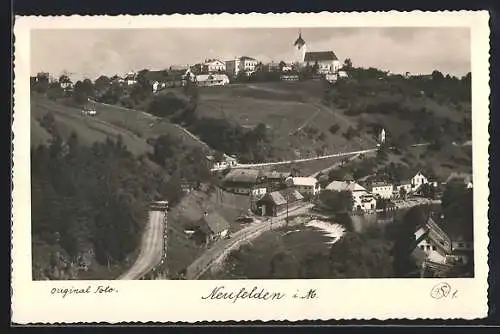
(215, 65)
(305, 185)
(433, 241)
(157, 85)
(287, 68)
(248, 64)
(382, 189)
(363, 200)
(226, 162)
(343, 74)
(418, 180)
(245, 64)
(258, 191)
(331, 77)
(130, 78)
(208, 80)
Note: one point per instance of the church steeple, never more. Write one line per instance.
(299, 49)
(299, 42)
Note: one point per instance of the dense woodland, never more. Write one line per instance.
(89, 203)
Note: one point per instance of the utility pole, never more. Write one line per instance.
(286, 197)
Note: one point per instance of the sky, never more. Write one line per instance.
(89, 53)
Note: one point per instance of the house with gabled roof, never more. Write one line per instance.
(326, 61)
(363, 199)
(209, 228)
(278, 202)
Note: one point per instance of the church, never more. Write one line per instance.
(327, 61)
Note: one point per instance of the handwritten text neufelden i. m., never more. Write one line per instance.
(256, 293)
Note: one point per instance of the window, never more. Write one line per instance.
(422, 247)
(433, 248)
(461, 245)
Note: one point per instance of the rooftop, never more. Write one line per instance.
(214, 221)
(344, 185)
(280, 197)
(204, 77)
(247, 58)
(242, 175)
(304, 181)
(320, 56)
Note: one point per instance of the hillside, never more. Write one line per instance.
(135, 127)
(297, 123)
(92, 181)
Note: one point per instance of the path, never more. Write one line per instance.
(151, 248)
(156, 118)
(264, 164)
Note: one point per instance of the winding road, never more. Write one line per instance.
(151, 247)
(264, 164)
(218, 251)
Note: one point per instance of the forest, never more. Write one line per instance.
(89, 203)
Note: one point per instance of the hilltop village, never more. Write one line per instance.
(307, 168)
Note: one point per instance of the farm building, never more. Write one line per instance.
(211, 227)
(241, 181)
(381, 189)
(278, 202)
(363, 200)
(433, 241)
(209, 80)
(305, 185)
(225, 161)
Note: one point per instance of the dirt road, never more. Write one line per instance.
(151, 248)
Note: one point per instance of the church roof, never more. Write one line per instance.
(299, 41)
(320, 56)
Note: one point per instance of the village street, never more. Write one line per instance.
(216, 254)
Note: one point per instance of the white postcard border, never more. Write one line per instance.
(173, 301)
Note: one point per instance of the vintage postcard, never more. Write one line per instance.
(265, 167)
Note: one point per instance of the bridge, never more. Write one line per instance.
(151, 262)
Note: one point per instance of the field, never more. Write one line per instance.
(299, 124)
(134, 127)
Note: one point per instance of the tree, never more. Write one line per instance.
(337, 201)
(41, 84)
(64, 79)
(402, 234)
(102, 84)
(355, 256)
(281, 65)
(83, 91)
(347, 64)
(437, 76)
(402, 193)
(334, 128)
(55, 91)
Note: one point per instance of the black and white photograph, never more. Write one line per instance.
(251, 153)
